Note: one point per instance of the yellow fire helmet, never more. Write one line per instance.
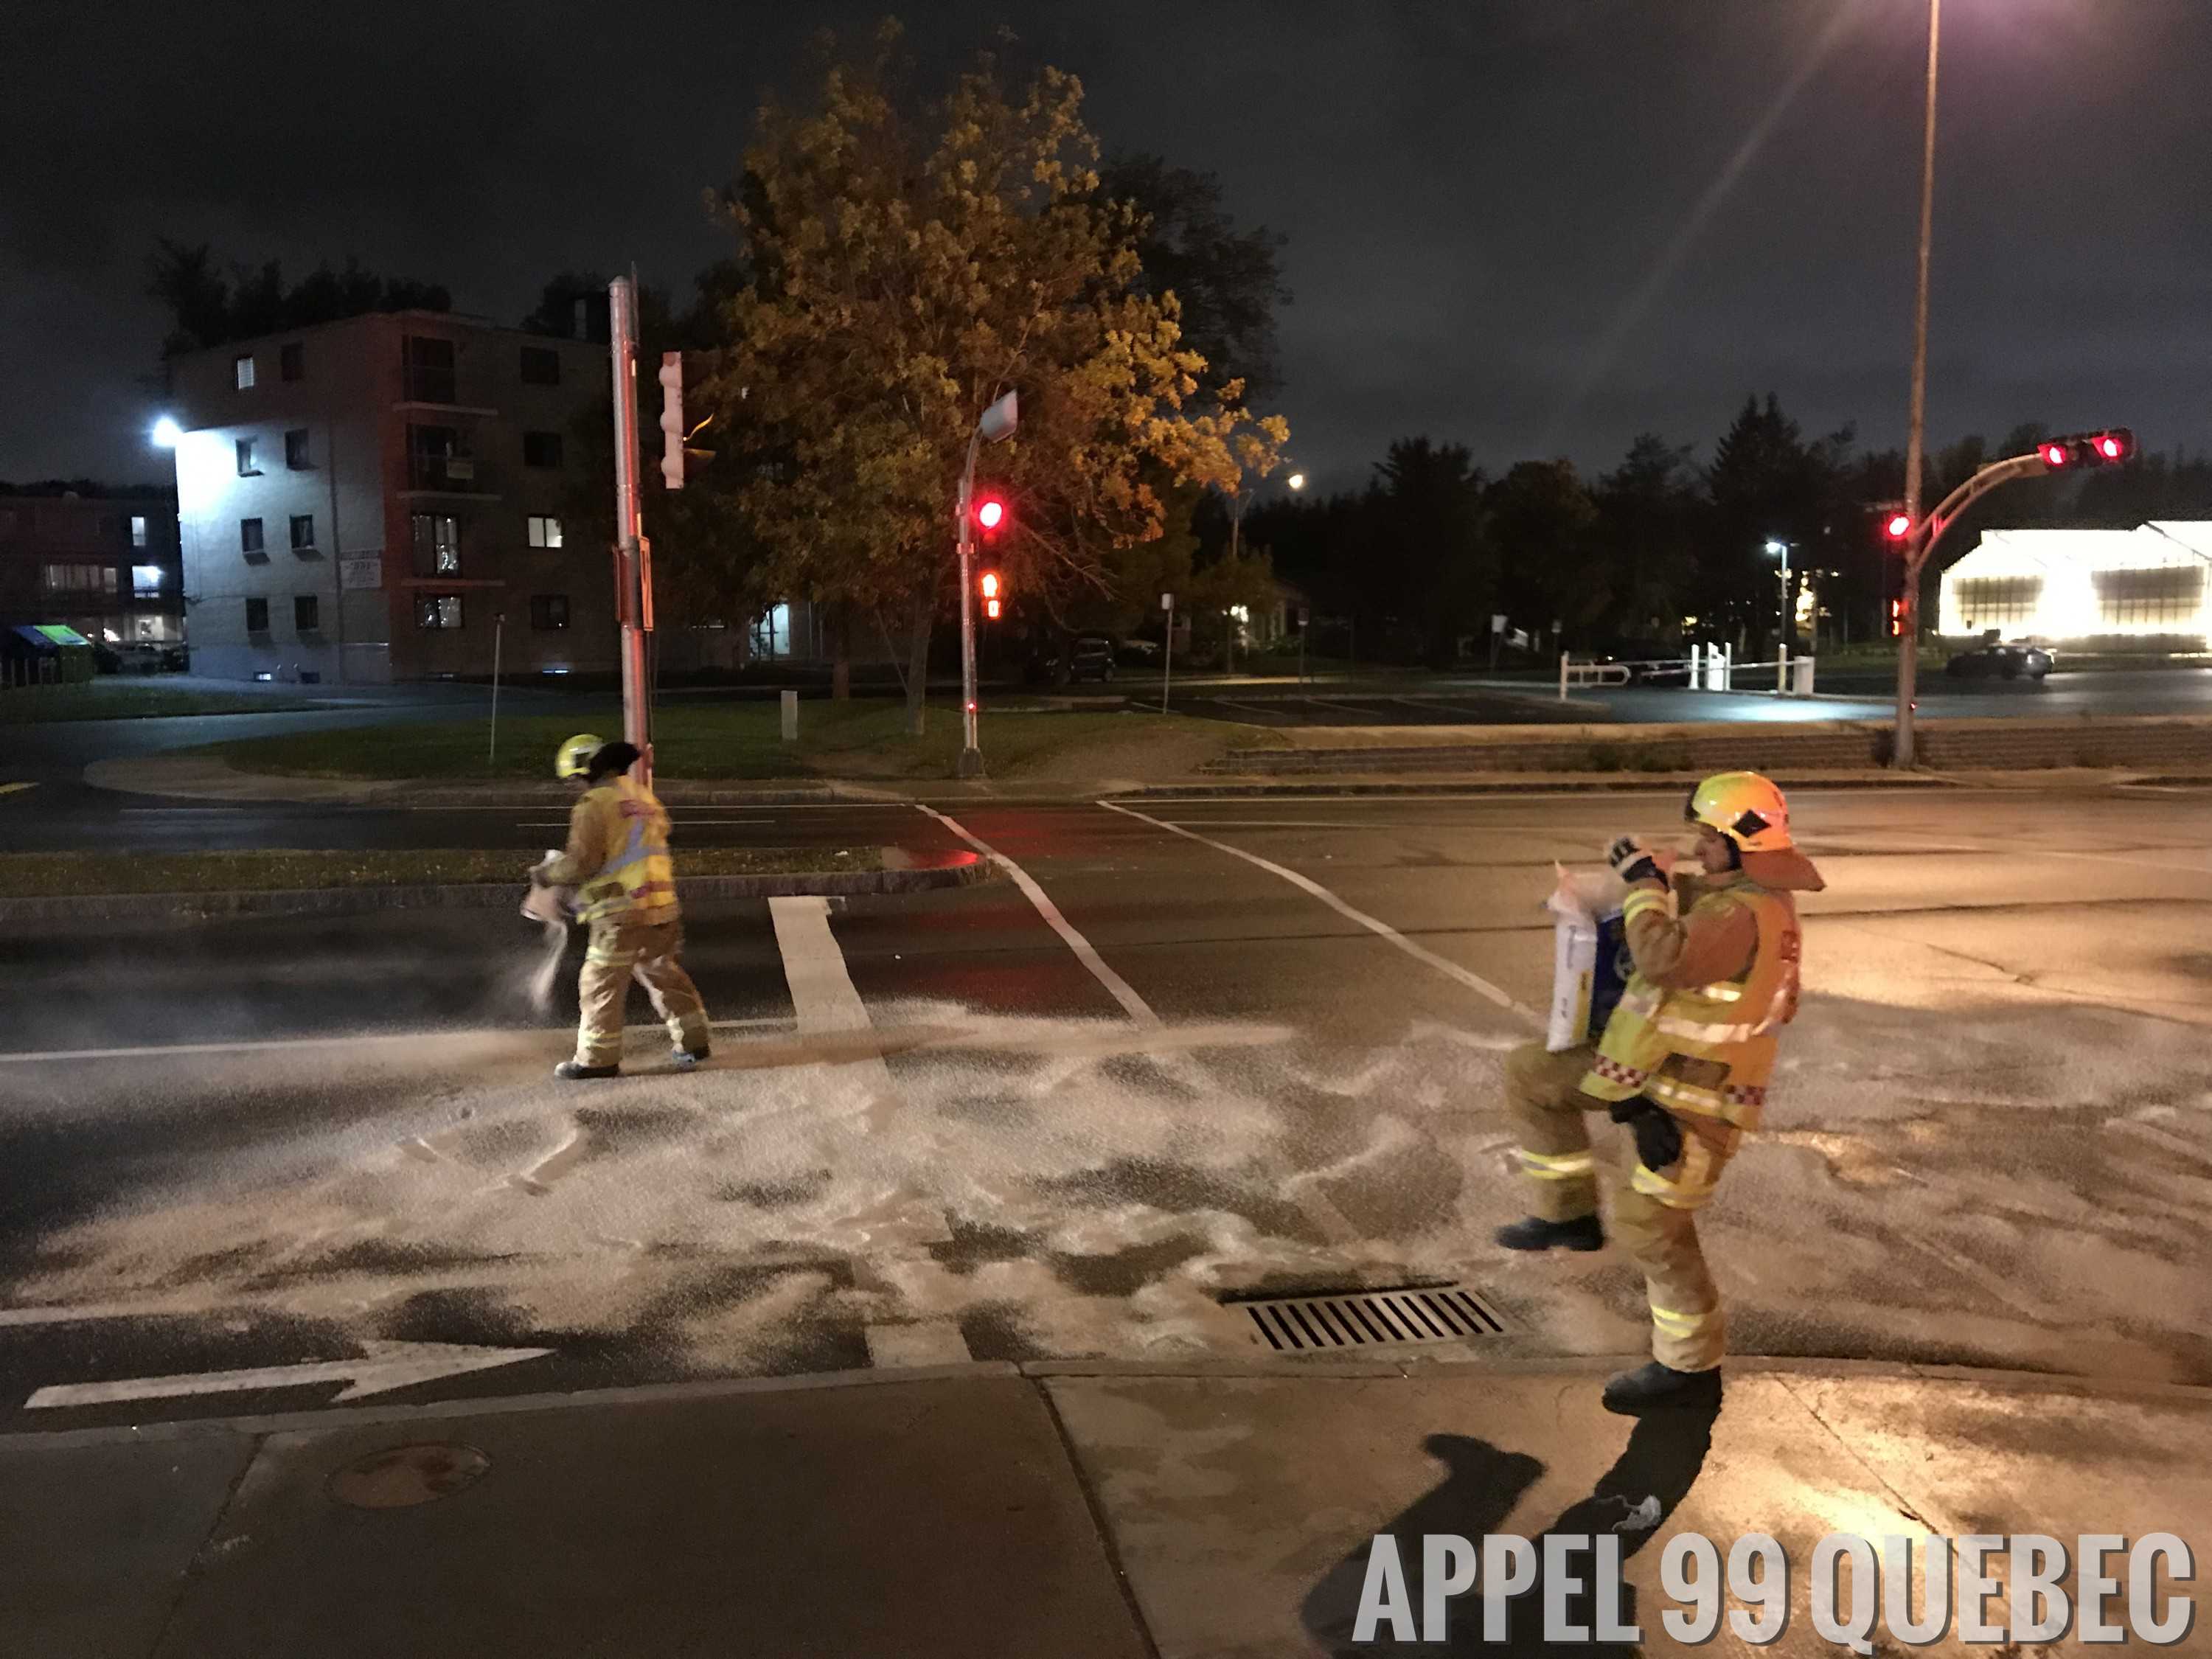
(574, 758)
(1744, 807)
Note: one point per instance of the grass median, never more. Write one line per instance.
(126, 700)
(864, 738)
(49, 875)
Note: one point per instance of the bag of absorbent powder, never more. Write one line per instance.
(550, 908)
(1589, 955)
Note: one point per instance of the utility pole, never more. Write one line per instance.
(1908, 643)
(633, 575)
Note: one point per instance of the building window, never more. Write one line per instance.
(437, 545)
(79, 577)
(244, 365)
(292, 362)
(544, 531)
(295, 450)
(246, 466)
(307, 613)
(438, 459)
(548, 610)
(541, 366)
(303, 532)
(256, 615)
(1993, 601)
(249, 536)
(428, 369)
(541, 449)
(137, 531)
(2146, 597)
(145, 582)
(438, 610)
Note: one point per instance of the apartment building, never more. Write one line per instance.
(375, 499)
(104, 562)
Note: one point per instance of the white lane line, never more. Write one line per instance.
(1116, 987)
(2014, 853)
(281, 1045)
(1450, 969)
(821, 988)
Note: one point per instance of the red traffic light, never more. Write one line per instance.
(989, 583)
(1897, 526)
(2112, 445)
(2056, 455)
(990, 513)
(1897, 619)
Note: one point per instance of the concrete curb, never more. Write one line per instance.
(1493, 783)
(471, 895)
(1319, 1370)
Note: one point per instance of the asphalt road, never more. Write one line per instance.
(1441, 701)
(1067, 1116)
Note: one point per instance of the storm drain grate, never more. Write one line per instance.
(1371, 1319)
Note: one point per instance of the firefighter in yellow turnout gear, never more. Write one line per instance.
(1683, 1064)
(617, 861)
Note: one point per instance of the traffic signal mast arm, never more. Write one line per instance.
(1947, 513)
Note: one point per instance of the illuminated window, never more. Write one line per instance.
(544, 532)
(145, 582)
(244, 365)
(441, 611)
(1993, 601)
(437, 545)
(137, 532)
(2168, 593)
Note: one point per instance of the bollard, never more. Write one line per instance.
(791, 717)
(1801, 676)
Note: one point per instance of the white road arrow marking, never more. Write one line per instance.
(387, 1365)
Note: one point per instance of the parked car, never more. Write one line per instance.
(1069, 658)
(2006, 659)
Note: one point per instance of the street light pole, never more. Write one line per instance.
(1782, 634)
(1908, 644)
(632, 600)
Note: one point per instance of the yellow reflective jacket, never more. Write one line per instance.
(1702, 1045)
(618, 854)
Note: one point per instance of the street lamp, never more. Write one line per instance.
(1776, 549)
(167, 434)
(1296, 481)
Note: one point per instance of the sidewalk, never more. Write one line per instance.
(1049, 1512)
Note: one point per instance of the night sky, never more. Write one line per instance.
(1536, 229)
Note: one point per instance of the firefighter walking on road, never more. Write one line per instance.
(617, 861)
(1683, 1065)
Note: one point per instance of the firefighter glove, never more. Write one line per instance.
(1632, 861)
(1658, 1136)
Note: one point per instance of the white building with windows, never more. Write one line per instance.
(369, 500)
(2149, 586)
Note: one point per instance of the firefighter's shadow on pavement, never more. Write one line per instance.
(1665, 1454)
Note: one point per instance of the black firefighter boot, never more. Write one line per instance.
(1584, 1232)
(1655, 1387)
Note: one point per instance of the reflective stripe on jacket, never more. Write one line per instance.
(1705, 1048)
(617, 855)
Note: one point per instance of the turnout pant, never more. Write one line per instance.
(622, 948)
(1653, 1211)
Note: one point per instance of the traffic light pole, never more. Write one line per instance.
(632, 575)
(1924, 538)
(971, 755)
(1908, 652)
